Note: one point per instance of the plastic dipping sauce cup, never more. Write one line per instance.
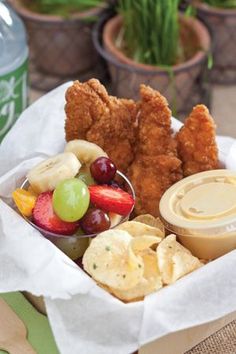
(75, 245)
(201, 211)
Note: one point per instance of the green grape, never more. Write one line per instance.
(72, 246)
(71, 199)
(85, 175)
(79, 232)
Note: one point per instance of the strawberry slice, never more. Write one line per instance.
(44, 217)
(111, 199)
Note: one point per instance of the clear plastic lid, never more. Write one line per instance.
(202, 204)
(13, 43)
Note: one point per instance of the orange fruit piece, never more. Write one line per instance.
(32, 191)
(24, 200)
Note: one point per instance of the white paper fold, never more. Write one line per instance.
(84, 318)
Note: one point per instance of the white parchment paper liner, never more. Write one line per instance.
(84, 318)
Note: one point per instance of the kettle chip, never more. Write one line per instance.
(150, 220)
(136, 228)
(110, 260)
(150, 282)
(141, 243)
(124, 263)
(174, 260)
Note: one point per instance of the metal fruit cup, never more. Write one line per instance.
(75, 245)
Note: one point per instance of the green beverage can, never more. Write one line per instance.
(13, 68)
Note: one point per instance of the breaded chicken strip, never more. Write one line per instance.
(156, 166)
(197, 146)
(154, 132)
(109, 122)
(151, 176)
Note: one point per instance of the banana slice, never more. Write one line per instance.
(46, 175)
(85, 151)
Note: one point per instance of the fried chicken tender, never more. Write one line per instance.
(107, 121)
(197, 146)
(154, 133)
(137, 136)
(156, 166)
(151, 177)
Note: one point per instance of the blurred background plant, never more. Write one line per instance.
(224, 4)
(150, 32)
(220, 18)
(62, 7)
(151, 42)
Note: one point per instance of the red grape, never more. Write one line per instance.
(95, 221)
(114, 184)
(103, 170)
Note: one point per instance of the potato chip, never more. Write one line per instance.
(141, 243)
(150, 282)
(151, 221)
(110, 260)
(135, 229)
(174, 260)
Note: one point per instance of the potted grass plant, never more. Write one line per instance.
(150, 42)
(220, 18)
(59, 33)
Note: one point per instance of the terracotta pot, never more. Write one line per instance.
(222, 26)
(177, 84)
(59, 46)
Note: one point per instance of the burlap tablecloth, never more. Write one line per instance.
(221, 342)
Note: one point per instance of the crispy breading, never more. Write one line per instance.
(138, 138)
(151, 176)
(154, 133)
(197, 146)
(109, 122)
(83, 106)
(156, 166)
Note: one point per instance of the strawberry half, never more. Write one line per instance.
(111, 199)
(44, 217)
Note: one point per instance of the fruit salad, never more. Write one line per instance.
(75, 193)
